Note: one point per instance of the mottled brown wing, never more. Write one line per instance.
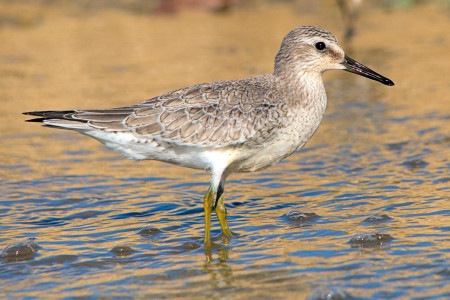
(215, 114)
(211, 114)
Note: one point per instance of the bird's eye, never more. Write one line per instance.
(320, 46)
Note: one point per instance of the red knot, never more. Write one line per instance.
(229, 126)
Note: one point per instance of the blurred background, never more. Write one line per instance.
(368, 195)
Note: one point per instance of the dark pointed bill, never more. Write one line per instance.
(355, 67)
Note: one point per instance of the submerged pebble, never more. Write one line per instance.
(396, 146)
(445, 271)
(378, 218)
(19, 251)
(415, 163)
(122, 250)
(328, 294)
(149, 230)
(300, 215)
(190, 246)
(371, 239)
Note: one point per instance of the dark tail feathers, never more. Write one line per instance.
(49, 114)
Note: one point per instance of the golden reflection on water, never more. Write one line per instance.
(63, 57)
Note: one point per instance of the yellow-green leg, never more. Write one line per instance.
(208, 201)
(221, 213)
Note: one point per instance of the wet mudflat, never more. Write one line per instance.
(361, 212)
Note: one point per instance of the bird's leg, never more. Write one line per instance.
(208, 201)
(221, 212)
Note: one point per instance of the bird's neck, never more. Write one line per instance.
(306, 88)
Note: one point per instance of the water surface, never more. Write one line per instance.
(362, 212)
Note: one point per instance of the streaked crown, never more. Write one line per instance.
(306, 49)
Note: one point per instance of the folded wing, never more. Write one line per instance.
(216, 114)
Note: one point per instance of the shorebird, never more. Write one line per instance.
(228, 126)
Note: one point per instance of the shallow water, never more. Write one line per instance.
(362, 212)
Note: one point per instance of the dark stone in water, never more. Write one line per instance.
(378, 218)
(396, 146)
(442, 180)
(371, 239)
(444, 271)
(300, 214)
(328, 294)
(19, 251)
(190, 246)
(149, 230)
(415, 163)
(122, 250)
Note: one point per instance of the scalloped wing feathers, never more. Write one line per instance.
(211, 114)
